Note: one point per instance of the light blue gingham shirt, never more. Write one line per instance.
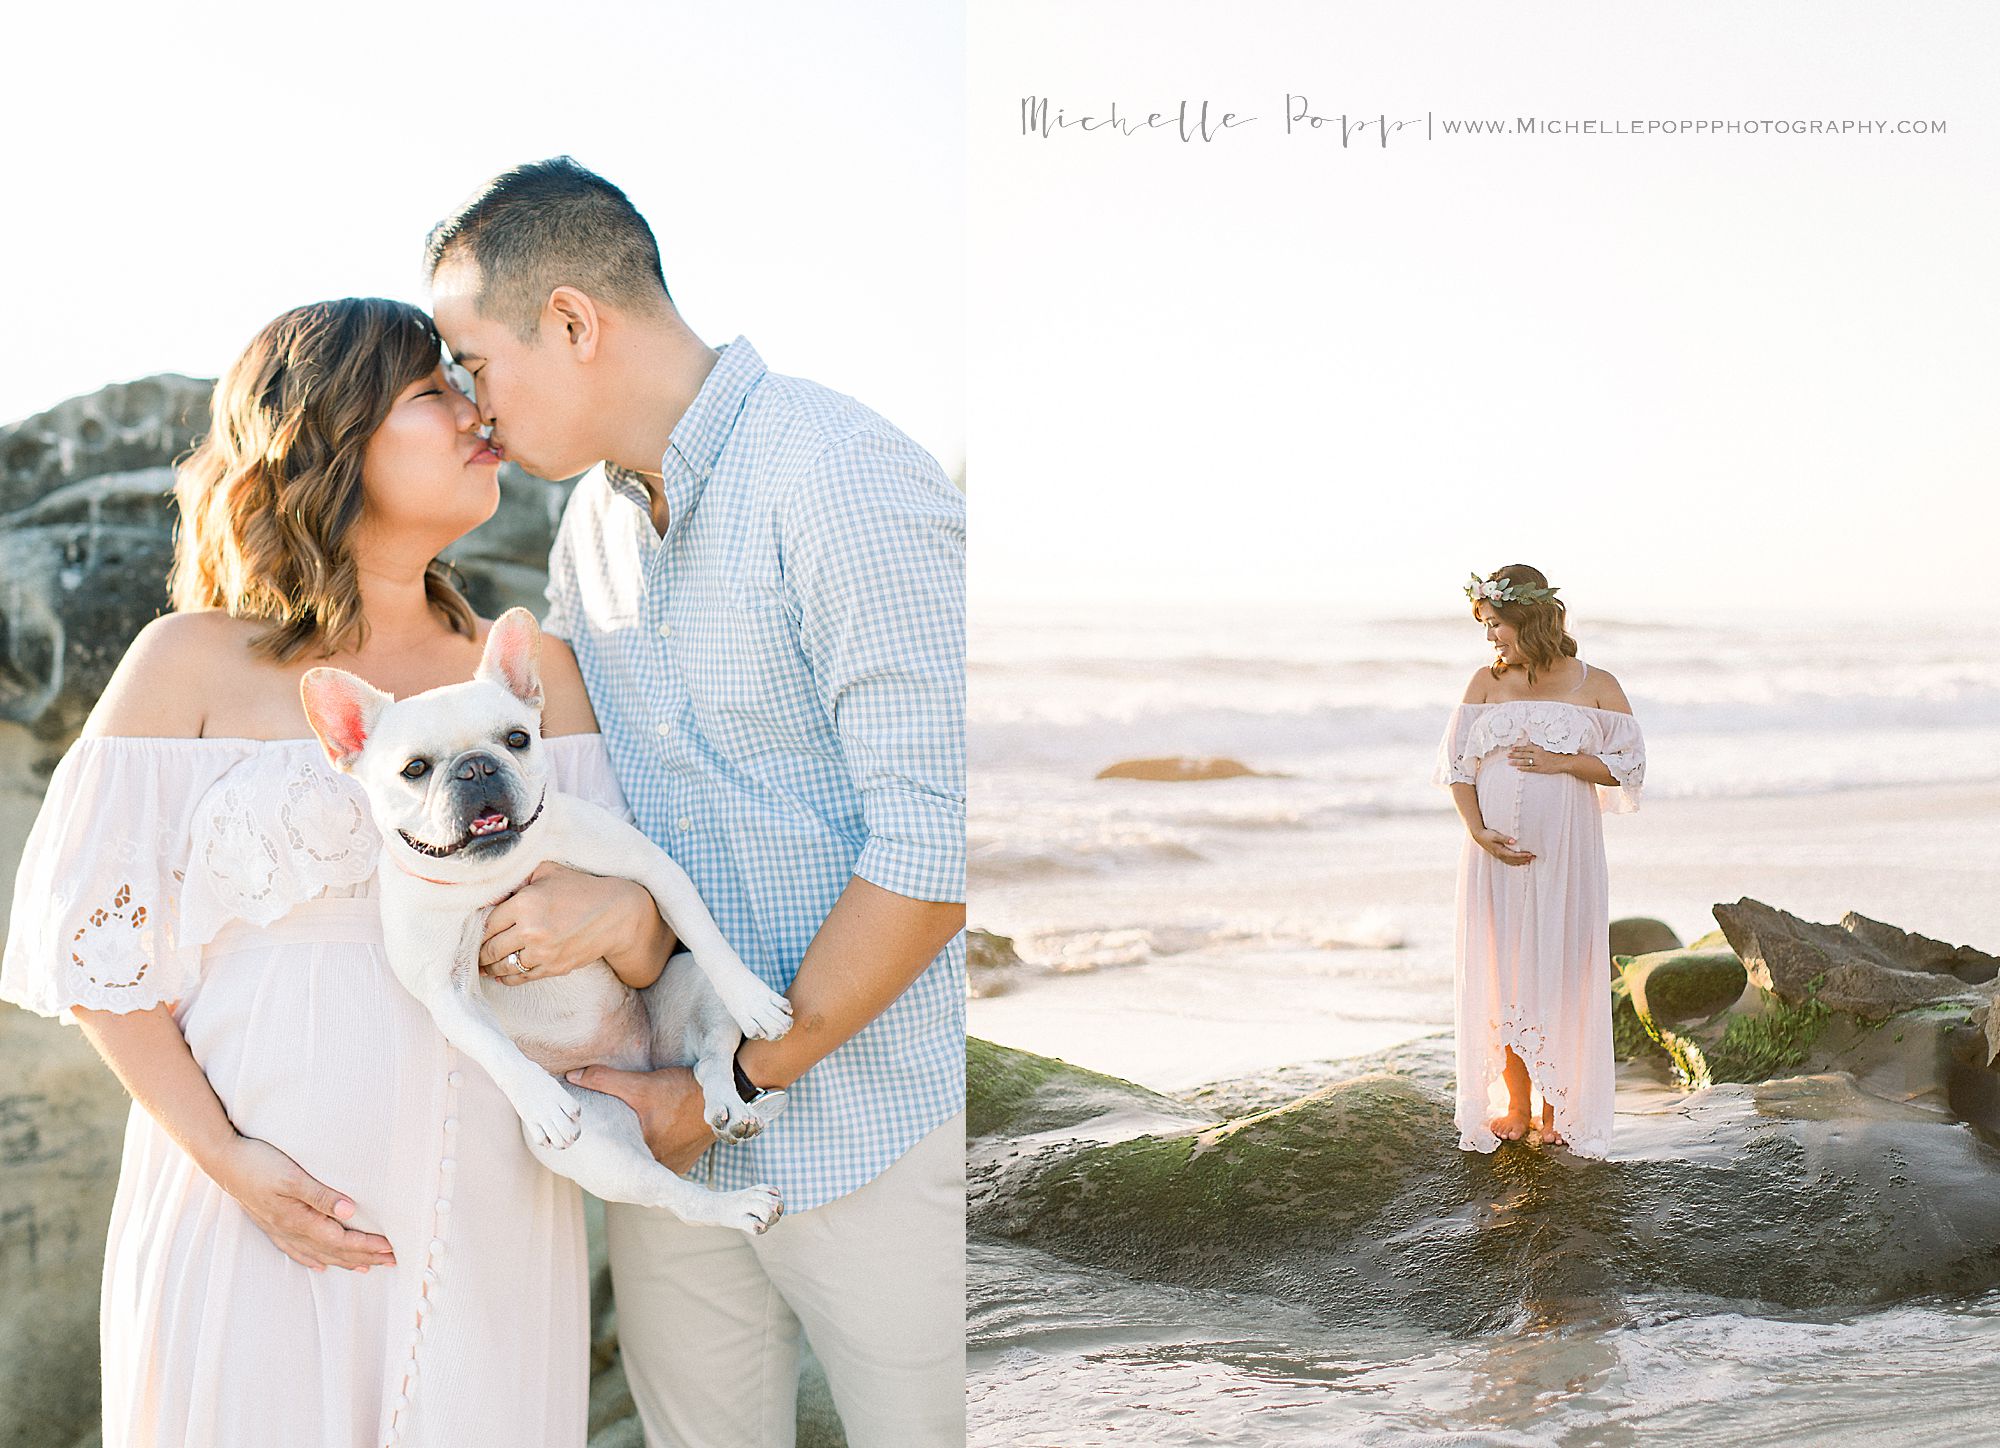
(781, 683)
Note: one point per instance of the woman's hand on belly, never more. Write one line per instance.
(302, 1217)
(1504, 848)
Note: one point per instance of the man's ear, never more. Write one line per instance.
(577, 315)
(343, 711)
(513, 646)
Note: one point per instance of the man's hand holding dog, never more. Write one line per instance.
(668, 1104)
(562, 919)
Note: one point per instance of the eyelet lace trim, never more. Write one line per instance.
(1528, 1041)
(113, 942)
(259, 862)
(128, 948)
(1552, 724)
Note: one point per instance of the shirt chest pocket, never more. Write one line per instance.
(753, 672)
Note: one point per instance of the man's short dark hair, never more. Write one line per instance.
(544, 225)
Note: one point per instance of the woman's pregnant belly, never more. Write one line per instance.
(318, 1050)
(1530, 807)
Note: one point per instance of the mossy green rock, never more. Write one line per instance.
(1355, 1199)
(1017, 1093)
(1673, 986)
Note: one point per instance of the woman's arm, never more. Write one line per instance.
(157, 691)
(302, 1217)
(1586, 767)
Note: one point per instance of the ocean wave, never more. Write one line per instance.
(1285, 737)
(1069, 951)
(1073, 852)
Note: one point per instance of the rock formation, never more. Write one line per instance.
(1177, 770)
(1641, 935)
(1860, 966)
(1825, 1165)
(992, 965)
(1803, 1192)
(86, 539)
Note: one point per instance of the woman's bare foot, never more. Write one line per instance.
(1510, 1127)
(1550, 1136)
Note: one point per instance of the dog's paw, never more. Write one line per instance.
(735, 1120)
(754, 1210)
(759, 1012)
(550, 1116)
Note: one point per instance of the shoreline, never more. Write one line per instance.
(1916, 857)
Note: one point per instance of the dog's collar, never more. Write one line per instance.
(441, 852)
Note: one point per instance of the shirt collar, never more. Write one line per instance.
(698, 438)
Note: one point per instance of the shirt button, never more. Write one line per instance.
(666, 630)
(683, 824)
(663, 728)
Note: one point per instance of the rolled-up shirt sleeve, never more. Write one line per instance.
(873, 542)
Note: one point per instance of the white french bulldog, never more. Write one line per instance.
(459, 789)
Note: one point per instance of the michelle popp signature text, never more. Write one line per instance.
(1204, 122)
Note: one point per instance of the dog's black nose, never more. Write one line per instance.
(476, 766)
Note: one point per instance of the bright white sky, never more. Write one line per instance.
(1720, 372)
(178, 175)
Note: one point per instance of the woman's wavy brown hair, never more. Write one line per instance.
(1541, 628)
(270, 497)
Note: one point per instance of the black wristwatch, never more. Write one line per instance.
(749, 1090)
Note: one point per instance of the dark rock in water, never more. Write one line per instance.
(1696, 1010)
(992, 965)
(1022, 1094)
(1354, 1199)
(1860, 966)
(1176, 769)
(1640, 935)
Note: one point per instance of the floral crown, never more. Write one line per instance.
(1503, 590)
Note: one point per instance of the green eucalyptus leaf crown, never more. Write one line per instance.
(1503, 590)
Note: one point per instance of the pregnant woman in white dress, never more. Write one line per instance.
(1542, 743)
(327, 1229)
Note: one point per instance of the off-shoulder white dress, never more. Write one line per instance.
(236, 878)
(1534, 953)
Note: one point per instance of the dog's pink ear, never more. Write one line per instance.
(513, 645)
(342, 710)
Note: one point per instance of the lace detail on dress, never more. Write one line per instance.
(1561, 727)
(1549, 723)
(281, 828)
(109, 948)
(144, 849)
(1522, 1035)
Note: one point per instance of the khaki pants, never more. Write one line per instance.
(709, 1318)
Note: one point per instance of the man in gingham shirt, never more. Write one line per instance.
(763, 584)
